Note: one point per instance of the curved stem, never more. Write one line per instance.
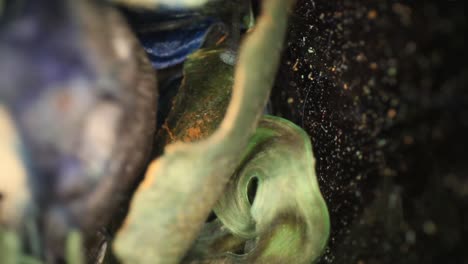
(183, 185)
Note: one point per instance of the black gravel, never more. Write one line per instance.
(382, 89)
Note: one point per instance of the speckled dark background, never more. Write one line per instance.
(382, 89)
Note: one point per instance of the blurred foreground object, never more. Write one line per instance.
(15, 193)
(83, 96)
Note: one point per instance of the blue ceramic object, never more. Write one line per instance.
(170, 34)
(170, 47)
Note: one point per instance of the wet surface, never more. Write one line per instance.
(382, 89)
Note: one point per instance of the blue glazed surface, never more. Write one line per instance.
(171, 47)
(169, 35)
